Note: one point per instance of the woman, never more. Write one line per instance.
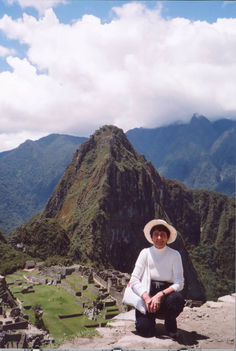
(158, 278)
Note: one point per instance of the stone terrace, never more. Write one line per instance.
(107, 285)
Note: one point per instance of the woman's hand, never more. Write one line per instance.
(155, 302)
(147, 299)
(152, 303)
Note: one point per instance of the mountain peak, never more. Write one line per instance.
(111, 135)
(107, 130)
(199, 119)
(107, 143)
(28, 143)
(107, 194)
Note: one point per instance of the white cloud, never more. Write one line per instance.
(6, 51)
(137, 70)
(40, 5)
(9, 141)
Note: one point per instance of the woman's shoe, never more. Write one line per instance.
(177, 336)
(173, 335)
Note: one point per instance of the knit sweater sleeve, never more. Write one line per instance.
(178, 275)
(138, 272)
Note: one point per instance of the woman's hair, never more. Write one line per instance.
(160, 227)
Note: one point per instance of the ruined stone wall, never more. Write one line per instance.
(15, 326)
(5, 294)
(16, 341)
(100, 281)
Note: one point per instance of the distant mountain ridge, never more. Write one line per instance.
(108, 192)
(201, 154)
(28, 175)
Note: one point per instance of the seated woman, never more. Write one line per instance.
(158, 278)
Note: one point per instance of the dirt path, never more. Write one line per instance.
(211, 326)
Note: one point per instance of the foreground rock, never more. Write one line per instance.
(211, 326)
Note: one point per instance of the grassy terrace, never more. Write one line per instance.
(73, 279)
(56, 301)
(17, 276)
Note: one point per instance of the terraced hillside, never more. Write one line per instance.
(71, 307)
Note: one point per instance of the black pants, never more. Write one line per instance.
(171, 306)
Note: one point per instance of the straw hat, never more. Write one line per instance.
(153, 223)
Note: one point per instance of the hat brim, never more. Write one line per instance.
(154, 222)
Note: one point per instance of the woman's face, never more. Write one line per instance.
(159, 238)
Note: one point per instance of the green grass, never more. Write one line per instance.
(72, 285)
(111, 308)
(17, 276)
(56, 301)
(89, 294)
(72, 280)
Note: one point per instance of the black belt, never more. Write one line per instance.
(160, 285)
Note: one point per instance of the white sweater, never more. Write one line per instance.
(159, 264)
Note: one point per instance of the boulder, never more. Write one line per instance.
(227, 298)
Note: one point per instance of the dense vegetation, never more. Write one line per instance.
(206, 221)
(11, 259)
(48, 238)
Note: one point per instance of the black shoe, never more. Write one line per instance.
(176, 336)
(173, 335)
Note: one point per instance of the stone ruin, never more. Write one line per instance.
(14, 324)
(6, 297)
(114, 282)
(108, 278)
(29, 265)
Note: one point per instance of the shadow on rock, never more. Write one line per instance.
(184, 337)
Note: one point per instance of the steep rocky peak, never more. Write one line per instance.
(112, 136)
(108, 141)
(107, 131)
(97, 165)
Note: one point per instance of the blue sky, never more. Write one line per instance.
(73, 9)
(72, 66)
(193, 10)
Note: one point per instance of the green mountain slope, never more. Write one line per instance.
(11, 259)
(107, 194)
(201, 154)
(28, 175)
(207, 221)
